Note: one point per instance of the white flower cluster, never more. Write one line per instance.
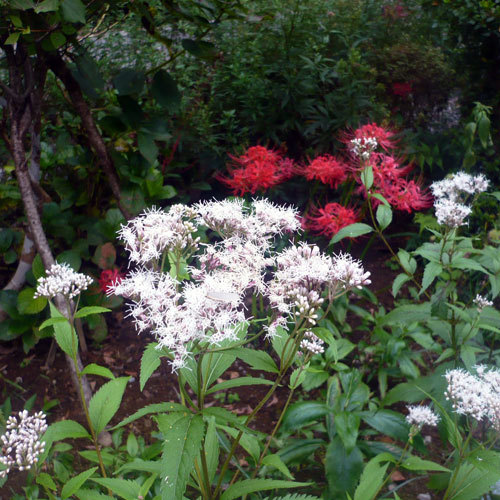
(312, 343)
(154, 232)
(21, 445)
(303, 273)
(451, 195)
(477, 395)
(481, 302)
(420, 416)
(62, 279)
(363, 147)
(260, 222)
(210, 306)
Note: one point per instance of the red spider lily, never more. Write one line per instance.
(403, 89)
(387, 168)
(257, 169)
(330, 219)
(108, 278)
(327, 170)
(407, 195)
(385, 138)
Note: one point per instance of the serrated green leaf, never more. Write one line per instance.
(302, 413)
(238, 382)
(247, 486)
(75, 483)
(94, 369)
(351, 231)
(105, 402)
(276, 462)
(46, 481)
(399, 281)
(37, 267)
(371, 480)
(416, 463)
(51, 322)
(149, 409)
(181, 446)
(151, 360)
(87, 311)
(342, 469)
(212, 448)
(258, 360)
(124, 488)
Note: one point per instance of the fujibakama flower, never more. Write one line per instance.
(326, 169)
(477, 396)
(258, 169)
(155, 231)
(481, 302)
(62, 279)
(349, 271)
(108, 278)
(21, 445)
(458, 187)
(312, 343)
(421, 415)
(330, 219)
(450, 213)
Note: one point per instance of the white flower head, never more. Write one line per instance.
(312, 343)
(421, 415)
(349, 272)
(481, 302)
(62, 279)
(21, 445)
(363, 147)
(450, 213)
(477, 396)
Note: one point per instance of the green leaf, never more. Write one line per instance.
(105, 402)
(151, 360)
(165, 91)
(379, 197)
(73, 11)
(384, 216)
(27, 304)
(37, 267)
(70, 257)
(258, 360)
(57, 39)
(347, 426)
(247, 441)
(132, 445)
(242, 488)
(147, 146)
(21, 4)
(342, 469)
(129, 81)
(46, 481)
(486, 460)
(200, 49)
(166, 192)
(181, 446)
(65, 336)
(406, 314)
(276, 462)
(64, 429)
(94, 369)
(431, 271)
(371, 480)
(238, 382)
(124, 488)
(147, 410)
(75, 483)
(140, 465)
(297, 377)
(213, 366)
(47, 6)
(483, 131)
(302, 413)
(87, 311)
(399, 281)
(351, 231)
(212, 448)
(471, 483)
(416, 463)
(13, 38)
(367, 177)
(389, 423)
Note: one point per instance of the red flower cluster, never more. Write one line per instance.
(385, 138)
(330, 219)
(108, 278)
(327, 170)
(257, 169)
(407, 195)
